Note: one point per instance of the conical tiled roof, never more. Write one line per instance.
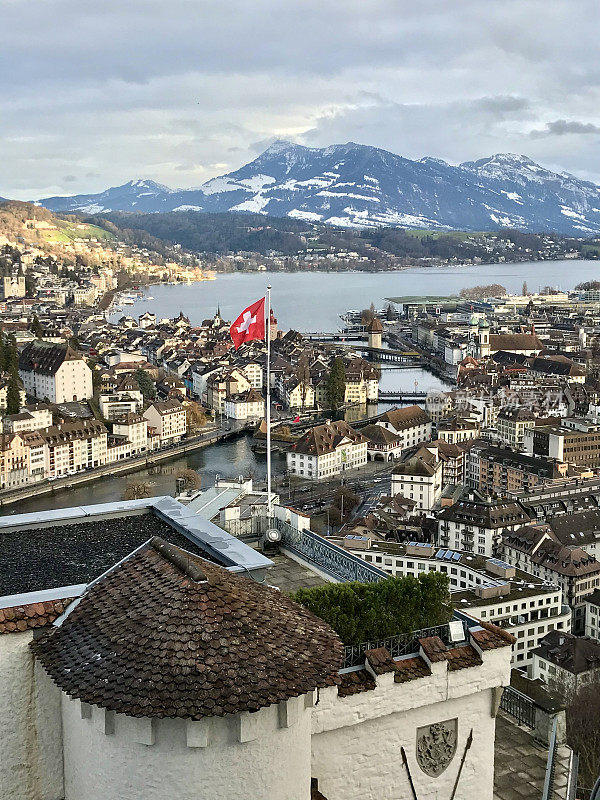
(167, 634)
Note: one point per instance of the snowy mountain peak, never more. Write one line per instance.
(147, 184)
(354, 185)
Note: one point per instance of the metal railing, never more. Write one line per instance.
(519, 706)
(548, 791)
(402, 645)
(326, 556)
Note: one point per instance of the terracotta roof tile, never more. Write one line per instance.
(380, 660)
(462, 657)
(434, 648)
(32, 615)
(354, 682)
(492, 637)
(168, 634)
(409, 669)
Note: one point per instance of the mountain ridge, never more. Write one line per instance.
(359, 186)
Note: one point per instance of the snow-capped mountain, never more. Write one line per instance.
(353, 185)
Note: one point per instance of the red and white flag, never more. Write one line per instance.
(250, 324)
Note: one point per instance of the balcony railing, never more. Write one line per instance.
(326, 556)
(402, 645)
(519, 706)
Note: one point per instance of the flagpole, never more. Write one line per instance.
(268, 335)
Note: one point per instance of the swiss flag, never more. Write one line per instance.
(250, 324)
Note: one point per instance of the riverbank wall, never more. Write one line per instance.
(129, 465)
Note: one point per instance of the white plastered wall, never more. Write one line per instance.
(260, 756)
(357, 740)
(31, 762)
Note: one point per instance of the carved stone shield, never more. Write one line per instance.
(436, 746)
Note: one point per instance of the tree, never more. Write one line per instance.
(583, 731)
(524, 289)
(361, 612)
(13, 393)
(145, 383)
(11, 355)
(481, 292)
(335, 388)
(303, 376)
(195, 416)
(193, 480)
(36, 327)
(367, 315)
(137, 490)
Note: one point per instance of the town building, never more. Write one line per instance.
(411, 424)
(566, 662)
(577, 572)
(247, 405)
(499, 470)
(327, 450)
(134, 427)
(511, 426)
(576, 441)
(592, 615)
(54, 372)
(117, 404)
(478, 523)
(382, 443)
(169, 419)
(419, 478)
(70, 447)
(458, 428)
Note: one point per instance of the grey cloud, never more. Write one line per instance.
(563, 127)
(171, 91)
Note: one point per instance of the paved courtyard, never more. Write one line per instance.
(520, 764)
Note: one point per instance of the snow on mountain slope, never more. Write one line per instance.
(356, 185)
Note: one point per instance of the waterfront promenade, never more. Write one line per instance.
(143, 461)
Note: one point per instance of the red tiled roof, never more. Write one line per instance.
(168, 634)
(32, 615)
(354, 682)
(434, 648)
(461, 657)
(492, 637)
(409, 669)
(380, 660)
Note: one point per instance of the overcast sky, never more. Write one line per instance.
(93, 94)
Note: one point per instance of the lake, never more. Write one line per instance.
(313, 301)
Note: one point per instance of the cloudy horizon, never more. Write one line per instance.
(94, 95)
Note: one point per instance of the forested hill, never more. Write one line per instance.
(224, 233)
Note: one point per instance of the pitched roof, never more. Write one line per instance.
(31, 615)
(379, 435)
(515, 341)
(325, 438)
(408, 417)
(573, 653)
(168, 634)
(46, 358)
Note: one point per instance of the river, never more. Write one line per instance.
(309, 301)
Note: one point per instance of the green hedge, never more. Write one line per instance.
(361, 612)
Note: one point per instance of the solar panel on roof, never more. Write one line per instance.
(456, 556)
(439, 554)
(448, 555)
